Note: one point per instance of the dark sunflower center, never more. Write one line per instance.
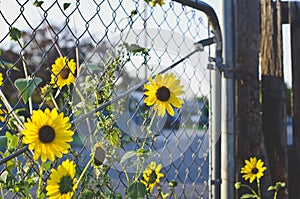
(64, 73)
(65, 184)
(254, 170)
(46, 134)
(153, 177)
(163, 94)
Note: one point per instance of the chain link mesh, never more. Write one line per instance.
(116, 45)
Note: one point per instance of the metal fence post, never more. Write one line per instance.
(228, 105)
(214, 142)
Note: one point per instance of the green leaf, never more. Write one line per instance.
(41, 196)
(173, 183)
(126, 139)
(47, 165)
(280, 185)
(10, 165)
(3, 141)
(135, 164)
(248, 195)
(136, 191)
(133, 13)
(12, 141)
(87, 194)
(127, 155)
(114, 139)
(7, 65)
(277, 186)
(27, 86)
(8, 135)
(66, 5)
(91, 66)
(15, 34)
(133, 48)
(38, 3)
(143, 153)
(271, 188)
(3, 177)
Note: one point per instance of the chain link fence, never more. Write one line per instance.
(115, 47)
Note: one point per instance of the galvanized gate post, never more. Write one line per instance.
(228, 105)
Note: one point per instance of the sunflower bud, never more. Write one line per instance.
(173, 183)
(237, 185)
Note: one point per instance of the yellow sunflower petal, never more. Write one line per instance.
(149, 101)
(169, 109)
(160, 108)
(1, 79)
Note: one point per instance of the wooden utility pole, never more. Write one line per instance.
(295, 153)
(250, 140)
(273, 99)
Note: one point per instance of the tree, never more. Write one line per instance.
(273, 96)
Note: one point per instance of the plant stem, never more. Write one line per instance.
(20, 126)
(40, 185)
(2, 194)
(85, 111)
(126, 174)
(84, 171)
(252, 190)
(48, 29)
(174, 193)
(54, 102)
(149, 129)
(275, 194)
(258, 187)
(57, 93)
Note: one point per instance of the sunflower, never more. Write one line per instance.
(163, 92)
(1, 79)
(159, 2)
(61, 183)
(63, 71)
(253, 169)
(48, 134)
(151, 176)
